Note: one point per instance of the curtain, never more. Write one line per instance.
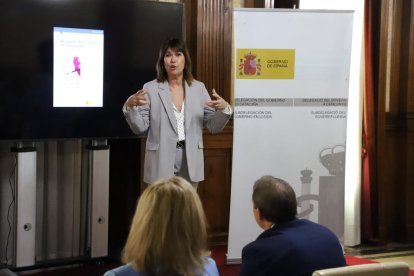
(369, 206)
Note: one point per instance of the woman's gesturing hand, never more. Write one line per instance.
(138, 99)
(218, 103)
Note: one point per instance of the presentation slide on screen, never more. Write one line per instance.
(77, 67)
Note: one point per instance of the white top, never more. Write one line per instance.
(179, 116)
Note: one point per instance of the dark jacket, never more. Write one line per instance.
(298, 247)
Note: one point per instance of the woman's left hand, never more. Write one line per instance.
(218, 103)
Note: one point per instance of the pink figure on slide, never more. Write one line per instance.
(76, 63)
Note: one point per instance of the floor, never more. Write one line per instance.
(389, 253)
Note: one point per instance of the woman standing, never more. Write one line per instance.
(172, 111)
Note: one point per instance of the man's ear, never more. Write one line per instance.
(260, 213)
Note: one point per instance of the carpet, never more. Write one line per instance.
(354, 260)
(218, 253)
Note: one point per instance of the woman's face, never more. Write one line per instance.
(174, 62)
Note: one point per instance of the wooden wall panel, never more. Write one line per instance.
(208, 34)
(215, 190)
(395, 129)
(410, 85)
(214, 45)
(190, 29)
(409, 190)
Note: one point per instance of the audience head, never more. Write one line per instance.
(274, 200)
(168, 234)
(177, 45)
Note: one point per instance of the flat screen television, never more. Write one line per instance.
(67, 67)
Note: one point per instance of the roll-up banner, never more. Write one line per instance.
(291, 72)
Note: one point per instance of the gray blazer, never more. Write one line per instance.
(157, 121)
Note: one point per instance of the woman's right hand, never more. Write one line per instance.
(138, 99)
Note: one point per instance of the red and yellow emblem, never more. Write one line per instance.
(250, 65)
(266, 63)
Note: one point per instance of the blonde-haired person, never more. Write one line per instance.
(168, 235)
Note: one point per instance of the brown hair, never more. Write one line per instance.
(275, 199)
(178, 45)
(168, 234)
